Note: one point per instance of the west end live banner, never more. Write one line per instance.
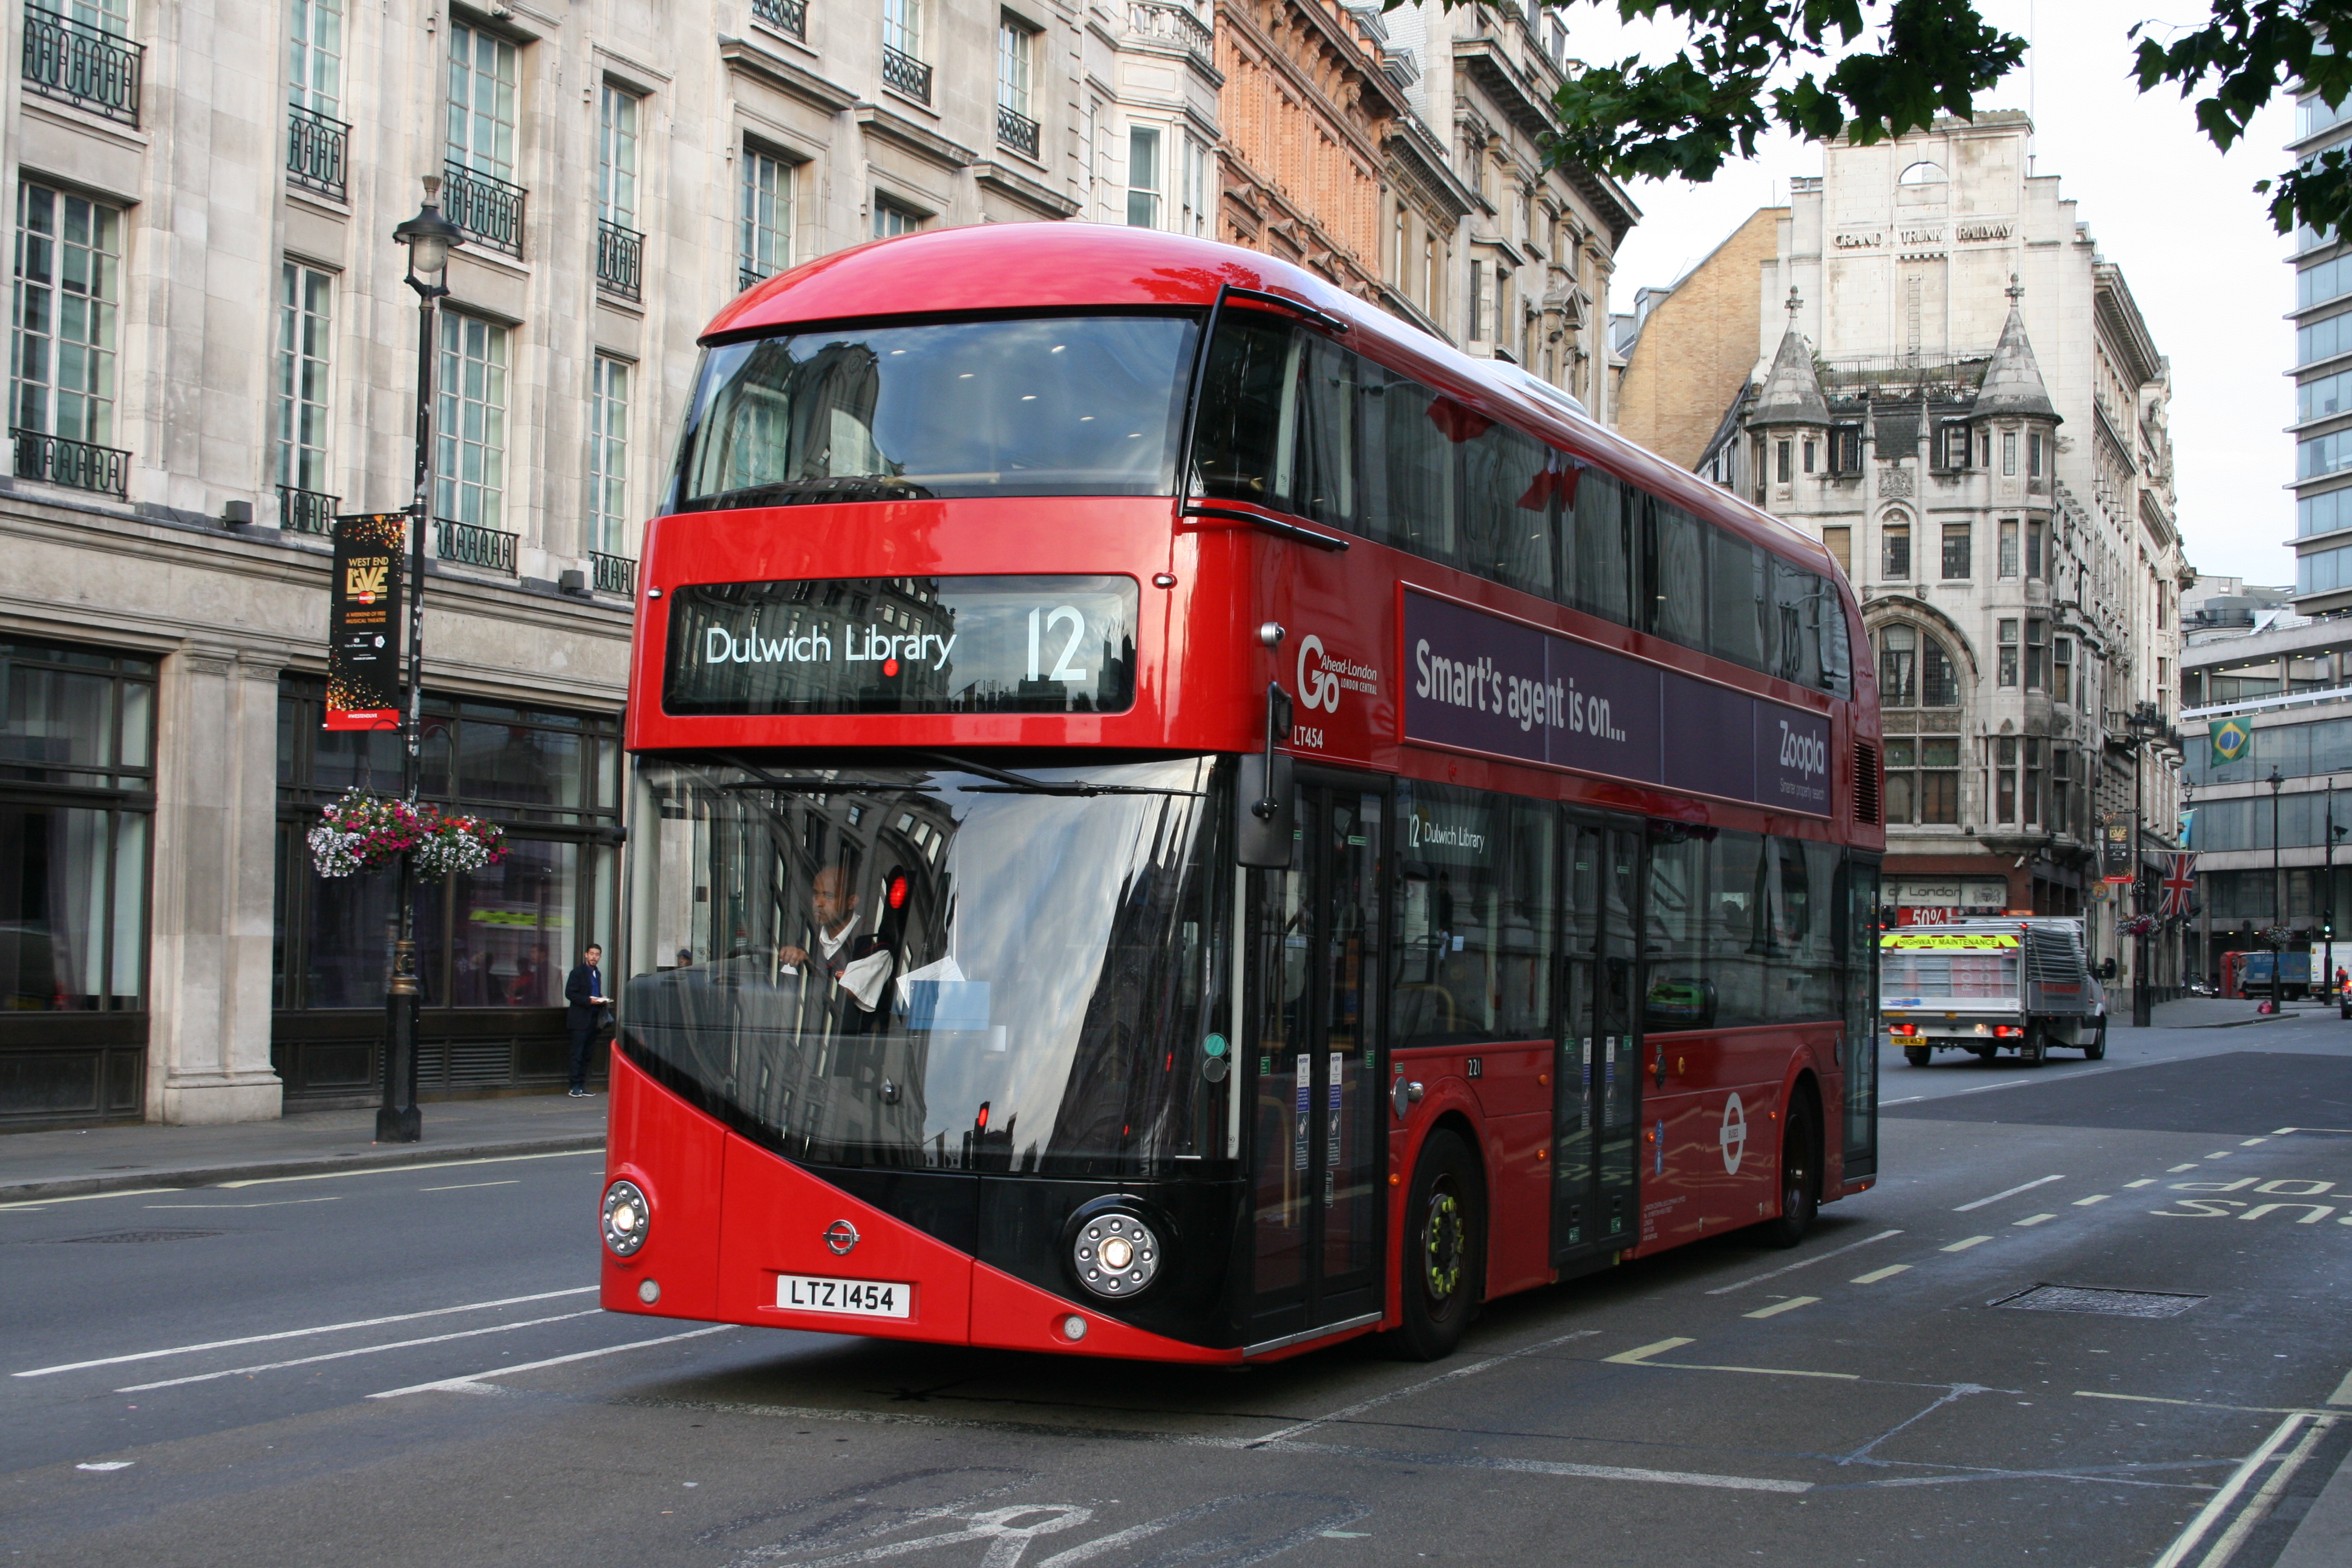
(364, 628)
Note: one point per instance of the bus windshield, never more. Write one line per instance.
(1059, 406)
(932, 969)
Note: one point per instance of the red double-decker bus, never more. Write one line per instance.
(1175, 815)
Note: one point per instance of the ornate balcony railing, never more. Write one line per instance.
(1016, 130)
(620, 258)
(747, 276)
(305, 512)
(790, 16)
(614, 573)
(315, 148)
(905, 73)
(469, 544)
(86, 66)
(1168, 22)
(76, 464)
(484, 206)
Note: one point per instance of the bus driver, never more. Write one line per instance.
(860, 965)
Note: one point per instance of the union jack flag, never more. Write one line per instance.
(2180, 885)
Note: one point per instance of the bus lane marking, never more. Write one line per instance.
(2219, 1503)
(2008, 1192)
(302, 1334)
(361, 1350)
(1800, 1263)
(1346, 1412)
(471, 1383)
(1643, 1355)
(2259, 1508)
(1774, 1310)
(35, 1205)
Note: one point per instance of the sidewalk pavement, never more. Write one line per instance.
(2211, 1012)
(71, 1163)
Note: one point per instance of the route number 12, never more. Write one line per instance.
(1057, 616)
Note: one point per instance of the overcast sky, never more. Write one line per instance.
(2179, 218)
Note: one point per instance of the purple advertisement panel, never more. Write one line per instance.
(1486, 684)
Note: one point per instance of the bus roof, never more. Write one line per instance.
(1016, 266)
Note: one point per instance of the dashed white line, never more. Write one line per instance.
(302, 1333)
(85, 1197)
(469, 1186)
(272, 1204)
(1875, 1275)
(1987, 1088)
(1800, 1263)
(2143, 1182)
(2250, 1143)
(2219, 1154)
(1790, 1305)
(472, 1382)
(2177, 1169)
(1286, 1433)
(2094, 1198)
(2009, 1193)
(2033, 1219)
(361, 1350)
(1964, 1242)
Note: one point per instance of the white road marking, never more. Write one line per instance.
(1360, 1406)
(1800, 1263)
(1875, 1275)
(1964, 1242)
(2033, 1219)
(467, 1187)
(2256, 1510)
(299, 1333)
(2144, 1182)
(472, 1382)
(2009, 1193)
(85, 1197)
(1774, 1310)
(2219, 1154)
(2343, 1395)
(272, 1204)
(361, 1350)
(108, 1465)
(2218, 1504)
(407, 1169)
(2094, 1198)
(1988, 1087)
(2201, 1403)
(1636, 1357)
(1906, 1099)
(1641, 1357)
(2177, 1169)
(2285, 1129)
(2252, 1141)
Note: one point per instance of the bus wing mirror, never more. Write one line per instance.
(1264, 843)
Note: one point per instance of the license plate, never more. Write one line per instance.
(856, 1297)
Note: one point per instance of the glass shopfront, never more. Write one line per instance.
(77, 802)
(493, 947)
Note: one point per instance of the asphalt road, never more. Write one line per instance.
(406, 1366)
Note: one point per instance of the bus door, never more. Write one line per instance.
(1317, 1139)
(1598, 1105)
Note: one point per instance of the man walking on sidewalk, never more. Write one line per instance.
(584, 1010)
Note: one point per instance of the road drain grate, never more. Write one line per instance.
(2106, 1304)
(140, 1235)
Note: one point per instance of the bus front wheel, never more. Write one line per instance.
(1445, 1253)
(1801, 1176)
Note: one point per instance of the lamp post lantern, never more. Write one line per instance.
(2277, 780)
(429, 237)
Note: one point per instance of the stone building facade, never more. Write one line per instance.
(1956, 392)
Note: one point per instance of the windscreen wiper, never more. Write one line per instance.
(816, 492)
(762, 779)
(1006, 781)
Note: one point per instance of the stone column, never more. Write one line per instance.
(214, 880)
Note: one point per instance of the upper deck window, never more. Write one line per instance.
(1066, 406)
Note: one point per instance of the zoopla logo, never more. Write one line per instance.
(1322, 689)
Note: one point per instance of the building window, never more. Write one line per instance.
(2004, 776)
(2008, 667)
(1195, 214)
(608, 457)
(1810, 448)
(482, 73)
(891, 218)
(2033, 455)
(2061, 670)
(1955, 447)
(1013, 48)
(69, 282)
(1142, 177)
(314, 55)
(1839, 541)
(902, 27)
(1957, 553)
(1430, 272)
(2008, 547)
(1915, 671)
(1780, 461)
(470, 435)
(1477, 300)
(2009, 452)
(1897, 542)
(2037, 648)
(767, 216)
(2323, 339)
(2037, 533)
(305, 334)
(1922, 780)
(1845, 449)
(616, 156)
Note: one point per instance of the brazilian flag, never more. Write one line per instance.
(2233, 741)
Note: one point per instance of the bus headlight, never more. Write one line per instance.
(625, 1217)
(1115, 1253)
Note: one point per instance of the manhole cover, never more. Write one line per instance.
(2106, 1304)
(140, 1235)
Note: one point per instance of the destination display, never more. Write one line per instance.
(1481, 683)
(903, 645)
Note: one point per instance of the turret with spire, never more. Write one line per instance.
(1793, 393)
(2012, 384)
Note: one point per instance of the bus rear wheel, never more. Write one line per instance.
(1801, 1176)
(1444, 1251)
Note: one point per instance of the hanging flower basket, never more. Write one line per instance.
(364, 832)
(2135, 925)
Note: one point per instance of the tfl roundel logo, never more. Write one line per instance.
(1319, 686)
(841, 1235)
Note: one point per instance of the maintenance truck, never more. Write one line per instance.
(1990, 985)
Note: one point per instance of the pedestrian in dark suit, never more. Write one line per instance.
(585, 1008)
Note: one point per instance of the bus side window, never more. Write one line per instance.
(1676, 562)
(1323, 467)
(1409, 477)
(1600, 538)
(1244, 400)
(1506, 489)
(1736, 599)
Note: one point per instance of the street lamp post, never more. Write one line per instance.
(2142, 725)
(429, 237)
(2277, 780)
